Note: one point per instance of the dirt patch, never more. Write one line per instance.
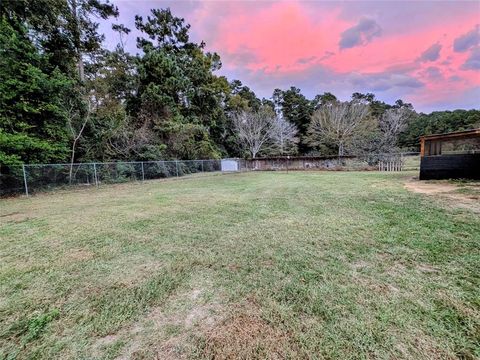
(424, 344)
(15, 217)
(429, 188)
(165, 332)
(420, 346)
(459, 306)
(425, 268)
(246, 335)
(359, 265)
(447, 192)
(130, 276)
(75, 255)
(11, 214)
(233, 267)
(377, 287)
(106, 340)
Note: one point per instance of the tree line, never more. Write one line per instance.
(65, 97)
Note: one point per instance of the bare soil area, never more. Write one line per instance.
(465, 195)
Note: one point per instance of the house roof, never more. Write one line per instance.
(467, 134)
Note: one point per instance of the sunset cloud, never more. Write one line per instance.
(432, 53)
(468, 40)
(473, 61)
(360, 34)
(424, 52)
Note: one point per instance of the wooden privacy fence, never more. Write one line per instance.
(369, 162)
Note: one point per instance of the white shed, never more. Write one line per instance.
(230, 165)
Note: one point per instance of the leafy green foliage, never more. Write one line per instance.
(323, 99)
(166, 102)
(178, 100)
(438, 122)
(297, 109)
(32, 125)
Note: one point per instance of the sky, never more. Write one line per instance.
(424, 52)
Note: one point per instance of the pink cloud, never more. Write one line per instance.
(340, 46)
(280, 36)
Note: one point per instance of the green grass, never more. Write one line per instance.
(318, 265)
(411, 162)
(467, 187)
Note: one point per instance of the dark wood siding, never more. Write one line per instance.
(458, 166)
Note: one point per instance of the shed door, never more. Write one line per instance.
(229, 165)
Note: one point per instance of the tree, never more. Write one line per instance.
(377, 107)
(246, 97)
(57, 37)
(77, 116)
(297, 109)
(110, 133)
(437, 122)
(65, 98)
(179, 99)
(367, 98)
(254, 129)
(323, 99)
(284, 136)
(392, 123)
(339, 123)
(63, 29)
(32, 123)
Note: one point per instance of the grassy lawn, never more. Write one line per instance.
(317, 265)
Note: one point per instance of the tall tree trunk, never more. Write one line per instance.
(76, 137)
(72, 159)
(78, 45)
(81, 71)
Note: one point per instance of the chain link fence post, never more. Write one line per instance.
(143, 173)
(25, 179)
(176, 166)
(95, 173)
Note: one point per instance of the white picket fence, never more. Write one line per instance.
(390, 165)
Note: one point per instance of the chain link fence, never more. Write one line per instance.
(29, 179)
(33, 178)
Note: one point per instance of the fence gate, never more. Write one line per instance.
(390, 165)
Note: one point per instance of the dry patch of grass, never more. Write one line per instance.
(169, 331)
(465, 195)
(423, 347)
(244, 334)
(74, 255)
(136, 273)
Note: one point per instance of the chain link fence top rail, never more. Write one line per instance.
(33, 178)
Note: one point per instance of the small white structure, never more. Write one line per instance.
(229, 165)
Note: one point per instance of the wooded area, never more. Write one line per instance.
(65, 97)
